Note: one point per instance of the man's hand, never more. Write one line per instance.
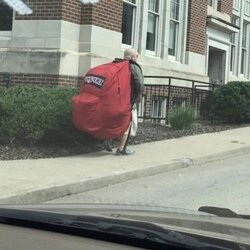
(138, 99)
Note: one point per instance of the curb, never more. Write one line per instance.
(52, 193)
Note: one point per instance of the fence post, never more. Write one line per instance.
(192, 99)
(212, 87)
(6, 79)
(212, 115)
(168, 100)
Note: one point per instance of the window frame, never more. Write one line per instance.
(214, 4)
(234, 47)
(236, 4)
(161, 102)
(157, 15)
(134, 36)
(247, 8)
(177, 33)
(244, 48)
(7, 33)
(141, 109)
(181, 34)
(179, 102)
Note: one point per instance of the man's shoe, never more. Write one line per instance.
(125, 152)
(108, 147)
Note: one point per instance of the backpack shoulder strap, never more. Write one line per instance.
(135, 63)
(118, 60)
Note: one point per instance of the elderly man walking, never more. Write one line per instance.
(137, 85)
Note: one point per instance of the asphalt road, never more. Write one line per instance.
(224, 183)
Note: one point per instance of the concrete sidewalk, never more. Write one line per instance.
(34, 181)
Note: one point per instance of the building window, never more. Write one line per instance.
(174, 27)
(141, 110)
(244, 48)
(179, 102)
(6, 17)
(153, 24)
(159, 104)
(233, 51)
(128, 21)
(236, 4)
(233, 37)
(247, 8)
(213, 3)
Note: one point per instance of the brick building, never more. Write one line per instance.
(196, 39)
(202, 40)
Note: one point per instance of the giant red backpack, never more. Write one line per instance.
(103, 107)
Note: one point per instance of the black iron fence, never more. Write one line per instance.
(164, 93)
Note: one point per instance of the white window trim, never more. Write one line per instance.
(141, 109)
(172, 58)
(154, 52)
(235, 6)
(177, 38)
(247, 59)
(236, 45)
(158, 35)
(183, 103)
(162, 101)
(247, 12)
(244, 69)
(182, 33)
(247, 73)
(214, 4)
(136, 22)
(5, 35)
(242, 17)
(234, 65)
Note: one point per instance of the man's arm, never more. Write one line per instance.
(137, 82)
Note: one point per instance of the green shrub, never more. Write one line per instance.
(2, 111)
(182, 117)
(30, 114)
(2, 92)
(230, 102)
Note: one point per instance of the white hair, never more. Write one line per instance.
(130, 54)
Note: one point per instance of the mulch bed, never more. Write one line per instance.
(146, 133)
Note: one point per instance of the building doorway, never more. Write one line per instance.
(217, 65)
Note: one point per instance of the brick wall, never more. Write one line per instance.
(162, 91)
(71, 11)
(43, 79)
(225, 6)
(106, 14)
(68, 10)
(86, 14)
(181, 92)
(178, 95)
(196, 31)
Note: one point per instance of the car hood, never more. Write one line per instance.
(180, 220)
